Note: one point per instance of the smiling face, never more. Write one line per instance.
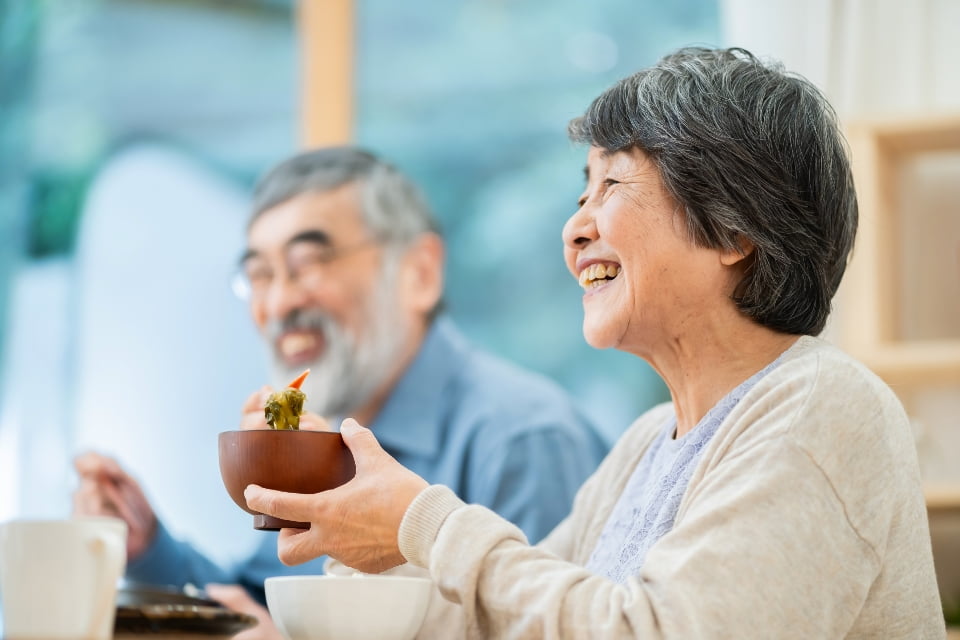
(645, 283)
(342, 316)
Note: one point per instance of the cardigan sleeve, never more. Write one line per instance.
(724, 567)
(765, 542)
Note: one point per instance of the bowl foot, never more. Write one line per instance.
(269, 523)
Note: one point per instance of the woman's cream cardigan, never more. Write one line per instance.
(805, 518)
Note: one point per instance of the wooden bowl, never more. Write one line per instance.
(293, 461)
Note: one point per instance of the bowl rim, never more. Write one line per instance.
(354, 578)
(281, 431)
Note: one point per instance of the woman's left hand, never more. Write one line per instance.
(356, 523)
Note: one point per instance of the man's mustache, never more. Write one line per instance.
(299, 320)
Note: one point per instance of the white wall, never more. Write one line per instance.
(136, 347)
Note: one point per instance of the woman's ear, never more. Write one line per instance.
(730, 257)
(421, 275)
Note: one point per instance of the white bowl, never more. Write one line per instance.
(357, 607)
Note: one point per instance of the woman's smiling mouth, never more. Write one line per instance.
(597, 274)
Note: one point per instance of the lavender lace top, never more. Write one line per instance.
(648, 505)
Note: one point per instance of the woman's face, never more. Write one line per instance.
(645, 283)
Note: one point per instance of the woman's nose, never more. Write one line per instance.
(580, 230)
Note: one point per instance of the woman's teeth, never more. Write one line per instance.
(596, 274)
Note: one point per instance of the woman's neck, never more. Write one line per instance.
(702, 366)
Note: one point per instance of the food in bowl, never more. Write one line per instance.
(284, 407)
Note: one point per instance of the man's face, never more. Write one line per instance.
(323, 297)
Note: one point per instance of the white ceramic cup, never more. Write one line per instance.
(58, 578)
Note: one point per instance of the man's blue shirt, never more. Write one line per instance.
(496, 434)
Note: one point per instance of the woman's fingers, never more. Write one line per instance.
(362, 444)
(356, 523)
(299, 507)
(296, 546)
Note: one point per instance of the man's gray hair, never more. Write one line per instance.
(393, 208)
(749, 151)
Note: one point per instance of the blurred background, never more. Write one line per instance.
(131, 132)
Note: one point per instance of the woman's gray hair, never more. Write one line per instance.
(749, 151)
(393, 208)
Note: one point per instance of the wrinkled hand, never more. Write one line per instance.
(105, 489)
(356, 523)
(253, 418)
(237, 599)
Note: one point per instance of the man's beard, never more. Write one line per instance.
(350, 370)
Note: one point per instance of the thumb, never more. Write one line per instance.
(361, 442)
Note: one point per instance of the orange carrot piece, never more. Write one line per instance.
(299, 381)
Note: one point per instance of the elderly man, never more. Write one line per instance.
(343, 273)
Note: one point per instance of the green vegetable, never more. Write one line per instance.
(283, 408)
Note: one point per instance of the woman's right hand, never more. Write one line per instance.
(105, 489)
(356, 523)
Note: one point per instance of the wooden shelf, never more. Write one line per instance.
(934, 132)
(870, 321)
(915, 363)
(942, 499)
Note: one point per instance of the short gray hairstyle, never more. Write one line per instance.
(749, 151)
(393, 208)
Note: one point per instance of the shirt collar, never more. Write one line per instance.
(411, 419)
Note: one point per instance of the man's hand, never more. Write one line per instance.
(105, 489)
(237, 599)
(356, 523)
(253, 418)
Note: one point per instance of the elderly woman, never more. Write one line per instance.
(778, 494)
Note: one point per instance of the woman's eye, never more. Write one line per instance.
(608, 184)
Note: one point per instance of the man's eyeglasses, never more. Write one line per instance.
(307, 264)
